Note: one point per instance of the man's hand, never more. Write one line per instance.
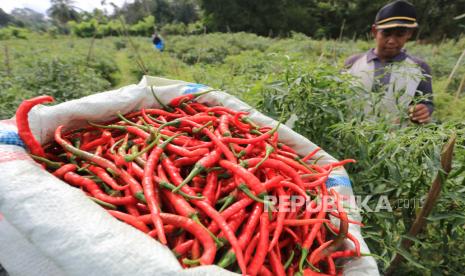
(419, 114)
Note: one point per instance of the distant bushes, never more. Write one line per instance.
(113, 27)
(13, 32)
(214, 48)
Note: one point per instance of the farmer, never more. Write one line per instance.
(157, 42)
(404, 80)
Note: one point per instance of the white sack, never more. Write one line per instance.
(60, 232)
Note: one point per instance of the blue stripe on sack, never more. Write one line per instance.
(9, 137)
(334, 181)
(193, 88)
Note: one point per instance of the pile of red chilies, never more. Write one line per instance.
(198, 179)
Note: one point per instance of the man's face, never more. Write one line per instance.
(389, 42)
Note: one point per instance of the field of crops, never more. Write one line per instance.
(295, 78)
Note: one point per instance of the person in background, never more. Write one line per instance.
(157, 42)
(389, 68)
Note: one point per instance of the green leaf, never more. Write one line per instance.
(409, 258)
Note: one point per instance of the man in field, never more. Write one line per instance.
(404, 80)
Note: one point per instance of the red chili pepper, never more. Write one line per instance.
(198, 107)
(150, 193)
(131, 220)
(250, 140)
(264, 271)
(344, 254)
(280, 218)
(246, 235)
(228, 187)
(186, 161)
(195, 252)
(208, 245)
(186, 153)
(294, 187)
(236, 221)
(286, 148)
(94, 190)
(142, 208)
(276, 264)
(337, 164)
(104, 139)
(262, 247)
(201, 165)
(220, 110)
(208, 210)
(224, 126)
(102, 174)
(292, 163)
(317, 253)
(22, 123)
(211, 187)
(240, 125)
(287, 154)
(178, 202)
(131, 208)
(277, 165)
(311, 154)
(339, 240)
(334, 214)
(229, 155)
(331, 266)
(252, 181)
(83, 154)
(64, 169)
(310, 238)
(184, 98)
(250, 248)
(183, 248)
(293, 234)
(189, 110)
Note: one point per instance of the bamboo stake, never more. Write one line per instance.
(461, 87)
(7, 61)
(433, 195)
(139, 60)
(91, 47)
(342, 29)
(449, 79)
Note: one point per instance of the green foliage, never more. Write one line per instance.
(98, 29)
(324, 19)
(214, 47)
(84, 29)
(61, 79)
(143, 27)
(165, 11)
(62, 11)
(174, 29)
(13, 32)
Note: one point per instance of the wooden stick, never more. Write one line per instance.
(91, 47)
(461, 86)
(7, 61)
(449, 79)
(433, 195)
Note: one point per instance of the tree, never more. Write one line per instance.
(5, 18)
(30, 18)
(63, 11)
(165, 11)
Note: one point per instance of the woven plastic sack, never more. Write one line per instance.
(51, 228)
